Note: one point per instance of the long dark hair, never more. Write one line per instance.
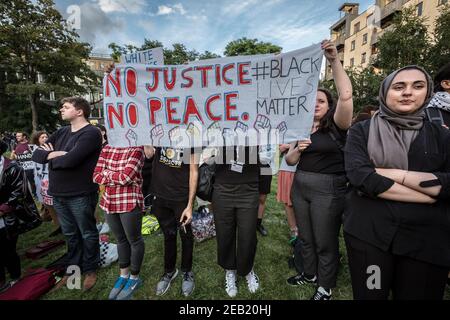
(327, 120)
(36, 136)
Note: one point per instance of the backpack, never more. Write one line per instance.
(206, 174)
(32, 286)
(435, 115)
(296, 260)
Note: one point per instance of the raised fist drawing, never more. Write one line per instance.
(132, 137)
(214, 134)
(156, 134)
(282, 128)
(175, 137)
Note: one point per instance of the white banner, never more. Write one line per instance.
(153, 56)
(255, 100)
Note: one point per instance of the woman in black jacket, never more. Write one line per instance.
(397, 218)
(11, 191)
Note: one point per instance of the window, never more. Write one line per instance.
(370, 21)
(363, 58)
(353, 45)
(420, 9)
(365, 38)
(357, 27)
(352, 62)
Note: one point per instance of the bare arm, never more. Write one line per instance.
(401, 193)
(186, 217)
(295, 150)
(412, 180)
(344, 108)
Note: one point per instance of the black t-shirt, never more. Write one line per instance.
(170, 174)
(245, 157)
(324, 154)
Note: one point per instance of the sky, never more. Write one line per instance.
(203, 25)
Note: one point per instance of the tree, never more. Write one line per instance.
(440, 50)
(179, 54)
(246, 46)
(405, 44)
(365, 83)
(41, 55)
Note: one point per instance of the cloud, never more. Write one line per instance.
(130, 6)
(166, 10)
(97, 27)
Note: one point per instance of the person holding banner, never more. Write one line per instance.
(174, 185)
(120, 171)
(319, 186)
(397, 220)
(235, 205)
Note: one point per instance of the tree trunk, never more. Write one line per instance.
(34, 113)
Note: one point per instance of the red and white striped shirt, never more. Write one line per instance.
(120, 170)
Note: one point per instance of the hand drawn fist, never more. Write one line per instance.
(214, 135)
(228, 136)
(262, 123)
(175, 137)
(282, 128)
(156, 134)
(132, 137)
(241, 130)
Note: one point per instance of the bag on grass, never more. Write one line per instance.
(203, 226)
(149, 224)
(33, 285)
(108, 252)
(43, 248)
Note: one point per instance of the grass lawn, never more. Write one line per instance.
(270, 265)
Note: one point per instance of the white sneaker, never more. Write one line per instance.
(252, 281)
(230, 283)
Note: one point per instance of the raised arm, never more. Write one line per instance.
(344, 108)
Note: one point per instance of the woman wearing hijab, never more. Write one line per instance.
(397, 219)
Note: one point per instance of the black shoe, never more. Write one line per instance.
(261, 230)
(321, 294)
(300, 279)
(56, 232)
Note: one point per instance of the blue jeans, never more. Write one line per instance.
(77, 219)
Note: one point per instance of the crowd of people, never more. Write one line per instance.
(383, 175)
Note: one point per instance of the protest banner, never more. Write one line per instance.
(257, 100)
(153, 56)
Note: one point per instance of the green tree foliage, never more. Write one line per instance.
(246, 46)
(440, 50)
(405, 43)
(40, 55)
(178, 54)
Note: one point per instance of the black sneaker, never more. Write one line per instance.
(261, 230)
(321, 294)
(300, 279)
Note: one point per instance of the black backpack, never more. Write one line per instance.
(435, 115)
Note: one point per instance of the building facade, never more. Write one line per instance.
(357, 41)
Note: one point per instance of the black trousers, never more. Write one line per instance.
(407, 278)
(235, 210)
(318, 201)
(168, 213)
(9, 260)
